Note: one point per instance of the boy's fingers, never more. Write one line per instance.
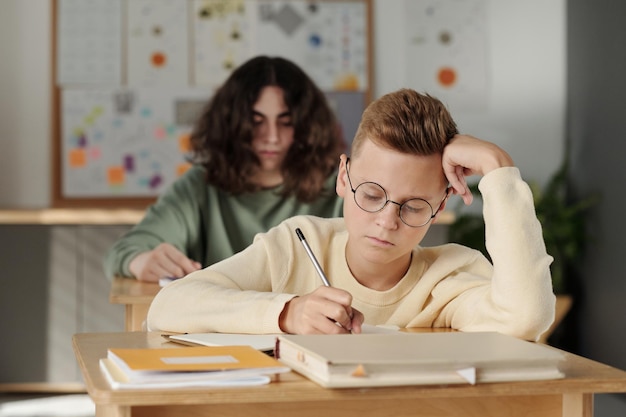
(456, 178)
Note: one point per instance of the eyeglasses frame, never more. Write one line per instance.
(400, 205)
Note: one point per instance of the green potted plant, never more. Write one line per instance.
(564, 231)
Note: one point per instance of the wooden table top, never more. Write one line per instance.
(581, 376)
(131, 291)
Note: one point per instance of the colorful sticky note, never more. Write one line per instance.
(77, 158)
(155, 181)
(182, 168)
(129, 163)
(184, 143)
(171, 129)
(159, 132)
(95, 153)
(347, 82)
(115, 175)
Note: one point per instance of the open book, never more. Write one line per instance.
(188, 366)
(362, 360)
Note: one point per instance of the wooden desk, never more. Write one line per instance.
(296, 395)
(136, 296)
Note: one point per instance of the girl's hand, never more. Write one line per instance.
(162, 262)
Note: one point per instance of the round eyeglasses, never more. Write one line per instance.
(372, 197)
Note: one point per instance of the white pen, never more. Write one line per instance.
(309, 252)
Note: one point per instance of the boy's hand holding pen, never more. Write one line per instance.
(326, 310)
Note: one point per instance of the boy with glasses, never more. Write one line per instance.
(406, 159)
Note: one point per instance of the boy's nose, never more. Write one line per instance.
(389, 216)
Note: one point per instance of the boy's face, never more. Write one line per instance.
(381, 238)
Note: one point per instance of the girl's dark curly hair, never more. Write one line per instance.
(222, 137)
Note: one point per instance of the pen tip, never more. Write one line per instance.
(299, 233)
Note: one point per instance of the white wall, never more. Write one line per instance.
(525, 114)
(526, 92)
(25, 169)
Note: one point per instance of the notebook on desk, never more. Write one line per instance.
(188, 367)
(366, 360)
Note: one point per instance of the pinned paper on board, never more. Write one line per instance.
(126, 142)
(222, 38)
(156, 31)
(446, 51)
(327, 38)
(89, 45)
(133, 76)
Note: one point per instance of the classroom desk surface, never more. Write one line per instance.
(293, 394)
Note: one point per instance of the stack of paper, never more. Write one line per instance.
(262, 342)
(189, 366)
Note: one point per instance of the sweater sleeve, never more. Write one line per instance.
(247, 292)
(173, 218)
(236, 295)
(212, 300)
(519, 300)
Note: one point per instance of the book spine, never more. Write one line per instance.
(300, 359)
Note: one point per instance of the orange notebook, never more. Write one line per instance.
(188, 366)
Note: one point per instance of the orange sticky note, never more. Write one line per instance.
(77, 158)
(347, 82)
(184, 143)
(115, 175)
(182, 168)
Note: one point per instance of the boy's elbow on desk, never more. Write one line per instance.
(530, 325)
(527, 324)
(166, 311)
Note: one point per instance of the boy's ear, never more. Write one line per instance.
(340, 187)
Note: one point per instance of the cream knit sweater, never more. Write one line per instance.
(445, 286)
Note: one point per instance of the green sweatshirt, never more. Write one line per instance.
(209, 225)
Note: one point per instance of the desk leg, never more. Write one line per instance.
(112, 411)
(578, 405)
(135, 316)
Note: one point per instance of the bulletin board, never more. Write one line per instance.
(132, 76)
